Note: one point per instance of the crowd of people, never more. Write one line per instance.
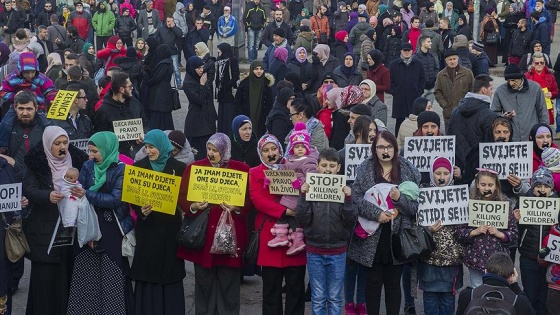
(320, 86)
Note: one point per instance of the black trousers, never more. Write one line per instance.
(272, 290)
(217, 290)
(99, 42)
(377, 277)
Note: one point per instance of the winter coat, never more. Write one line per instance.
(318, 70)
(520, 42)
(526, 61)
(553, 270)
(483, 63)
(44, 18)
(56, 32)
(269, 54)
(392, 49)
(12, 19)
(407, 129)
(343, 81)
(552, 6)
(227, 29)
(427, 16)
(103, 22)
(378, 109)
(382, 79)
(278, 69)
(316, 131)
(172, 37)
(37, 185)
(548, 77)
(108, 52)
(83, 131)
(126, 5)
(340, 20)
(407, 84)
(479, 248)
(6, 177)
(367, 46)
(269, 210)
(531, 237)
(202, 112)
(541, 32)
(320, 26)
(305, 40)
(180, 19)
(362, 250)
(465, 30)
(82, 21)
(355, 35)
(267, 36)
(448, 93)
(278, 121)
(303, 70)
(528, 104)
(255, 18)
(340, 128)
(227, 81)
(124, 26)
(339, 49)
(160, 95)
(196, 36)
(142, 22)
(76, 44)
(155, 259)
(241, 102)
(202, 256)
(437, 41)
(431, 67)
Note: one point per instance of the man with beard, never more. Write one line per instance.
(46, 44)
(77, 125)
(520, 100)
(119, 104)
(520, 40)
(81, 20)
(471, 121)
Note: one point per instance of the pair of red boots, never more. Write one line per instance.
(287, 237)
(352, 309)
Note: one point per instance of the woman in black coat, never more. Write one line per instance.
(156, 269)
(392, 49)
(244, 141)
(323, 62)
(299, 65)
(510, 24)
(227, 75)
(160, 97)
(50, 271)
(278, 121)
(200, 122)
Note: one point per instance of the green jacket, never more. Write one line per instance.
(103, 22)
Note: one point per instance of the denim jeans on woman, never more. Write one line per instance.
(326, 277)
(355, 272)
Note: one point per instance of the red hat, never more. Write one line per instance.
(300, 136)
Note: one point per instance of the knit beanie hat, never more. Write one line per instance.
(279, 32)
(478, 46)
(300, 136)
(410, 189)
(513, 71)
(340, 35)
(177, 139)
(542, 176)
(425, 117)
(442, 162)
(361, 109)
(551, 158)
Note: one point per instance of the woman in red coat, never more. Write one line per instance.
(217, 277)
(115, 49)
(276, 265)
(378, 73)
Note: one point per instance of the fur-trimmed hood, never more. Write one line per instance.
(267, 76)
(36, 159)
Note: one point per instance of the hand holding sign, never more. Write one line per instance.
(492, 230)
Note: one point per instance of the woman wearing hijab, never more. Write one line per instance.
(50, 271)
(489, 25)
(449, 13)
(227, 75)
(378, 73)
(510, 25)
(378, 108)
(87, 59)
(347, 73)
(200, 122)
(217, 277)
(99, 284)
(115, 48)
(299, 65)
(279, 67)
(244, 141)
(54, 66)
(323, 62)
(254, 97)
(339, 48)
(392, 49)
(159, 101)
(203, 53)
(140, 46)
(407, 13)
(157, 271)
(278, 120)
(276, 265)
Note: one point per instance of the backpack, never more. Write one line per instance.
(482, 304)
(465, 62)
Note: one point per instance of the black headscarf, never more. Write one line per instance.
(163, 52)
(532, 137)
(151, 57)
(377, 56)
(227, 51)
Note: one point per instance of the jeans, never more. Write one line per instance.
(176, 70)
(533, 277)
(253, 40)
(439, 303)
(475, 277)
(326, 277)
(355, 270)
(408, 299)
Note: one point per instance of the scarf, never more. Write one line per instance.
(452, 72)
(297, 54)
(323, 51)
(256, 86)
(223, 144)
(108, 146)
(202, 49)
(53, 59)
(347, 71)
(58, 165)
(160, 141)
(448, 13)
(264, 140)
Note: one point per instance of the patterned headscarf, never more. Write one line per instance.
(223, 144)
(351, 95)
(264, 140)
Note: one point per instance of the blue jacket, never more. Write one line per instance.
(541, 32)
(112, 200)
(228, 29)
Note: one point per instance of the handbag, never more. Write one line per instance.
(193, 231)
(416, 242)
(16, 243)
(323, 38)
(175, 95)
(252, 250)
(492, 38)
(101, 72)
(128, 244)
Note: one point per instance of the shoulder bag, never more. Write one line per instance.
(192, 234)
(252, 251)
(128, 245)
(16, 243)
(101, 72)
(175, 95)
(416, 242)
(492, 38)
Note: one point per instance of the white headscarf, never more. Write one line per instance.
(58, 166)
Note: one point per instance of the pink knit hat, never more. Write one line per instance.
(300, 136)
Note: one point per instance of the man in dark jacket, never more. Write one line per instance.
(124, 26)
(76, 125)
(466, 58)
(255, 22)
(541, 31)
(81, 20)
(471, 121)
(197, 34)
(431, 67)
(171, 35)
(43, 40)
(11, 20)
(268, 36)
(407, 84)
(500, 276)
(520, 40)
(43, 18)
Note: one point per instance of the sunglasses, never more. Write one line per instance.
(539, 63)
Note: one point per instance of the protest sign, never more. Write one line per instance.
(281, 182)
(448, 204)
(10, 197)
(325, 187)
(538, 210)
(492, 213)
(62, 236)
(554, 245)
(81, 144)
(422, 150)
(126, 130)
(143, 187)
(60, 107)
(507, 158)
(217, 185)
(354, 155)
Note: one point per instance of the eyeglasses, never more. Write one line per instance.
(538, 63)
(383, 148)
(84, 97)
(294, 114)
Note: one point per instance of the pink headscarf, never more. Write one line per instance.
(281, 53)
(335, 97)
(58, 165)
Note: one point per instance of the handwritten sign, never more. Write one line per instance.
(127, 130)
(554, 245)
(538, 211)
(281, 182)
(217, 185)
(493, 213)
(448, 204)
(325, 187)
(422, 150)
(10, 197)
(146, 187)
(354, 155)
(62, 236)
(507, 158)
(81, 144)
(60, 107)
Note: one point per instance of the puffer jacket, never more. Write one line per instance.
(431, 67)
(180, 18)
(362, 250)
(437, 42)
(82, 21)
(459, 88)
(124, 26)
(103, 22)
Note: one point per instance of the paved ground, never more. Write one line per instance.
(252, 286)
